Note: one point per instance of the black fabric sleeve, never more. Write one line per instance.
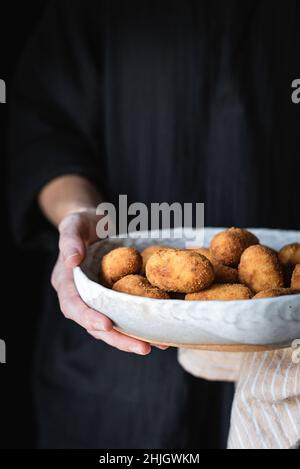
(55, 126)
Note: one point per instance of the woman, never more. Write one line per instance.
(163, 101)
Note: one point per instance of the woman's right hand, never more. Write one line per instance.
(77, 231)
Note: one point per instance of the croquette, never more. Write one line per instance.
(295, 283)
(139, 286)
(223, 273)
(226, 292)
(226, 274)
(260, 269)
(228, 246)
(290, 254)
(274, 293)
(118, 263)
(235, 267)
(149, 251)
(203, 251)
(180, 271)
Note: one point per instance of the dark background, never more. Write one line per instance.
(23, 269)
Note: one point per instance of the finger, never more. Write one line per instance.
(161, 347)
(74, 260)
(71, 243)
(72, 248)
(88, 318)
(75, 309)
(122, 342)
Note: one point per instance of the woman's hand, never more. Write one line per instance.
(77, 231)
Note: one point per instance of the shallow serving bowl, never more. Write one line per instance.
(211, 325)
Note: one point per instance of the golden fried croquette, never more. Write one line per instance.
(147, 253)
(179, 271)
(139, 286)
(275, 292)
(226, 274)
(223, 273)
(118, 263)
(203, 251)
(290, 254)
(226, 292)
(228, 246)
(295, 283)
(260, 269)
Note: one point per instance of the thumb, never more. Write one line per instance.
(72, 246)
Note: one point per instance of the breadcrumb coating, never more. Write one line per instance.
(275, 292)
(139, 286)
(149, 251)
(179, 271)
(295, 283)
(118, 263)
(227, 292)
(260, 269)
(228, 246)
(290, 254)
(223, 273)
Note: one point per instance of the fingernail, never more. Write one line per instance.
(72, 260)
(76, 254)
(138, 351)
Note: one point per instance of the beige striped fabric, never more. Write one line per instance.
(212, 366)
(266, 408)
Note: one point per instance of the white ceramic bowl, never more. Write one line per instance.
(264, 322)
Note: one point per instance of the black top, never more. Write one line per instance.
(174, 100)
